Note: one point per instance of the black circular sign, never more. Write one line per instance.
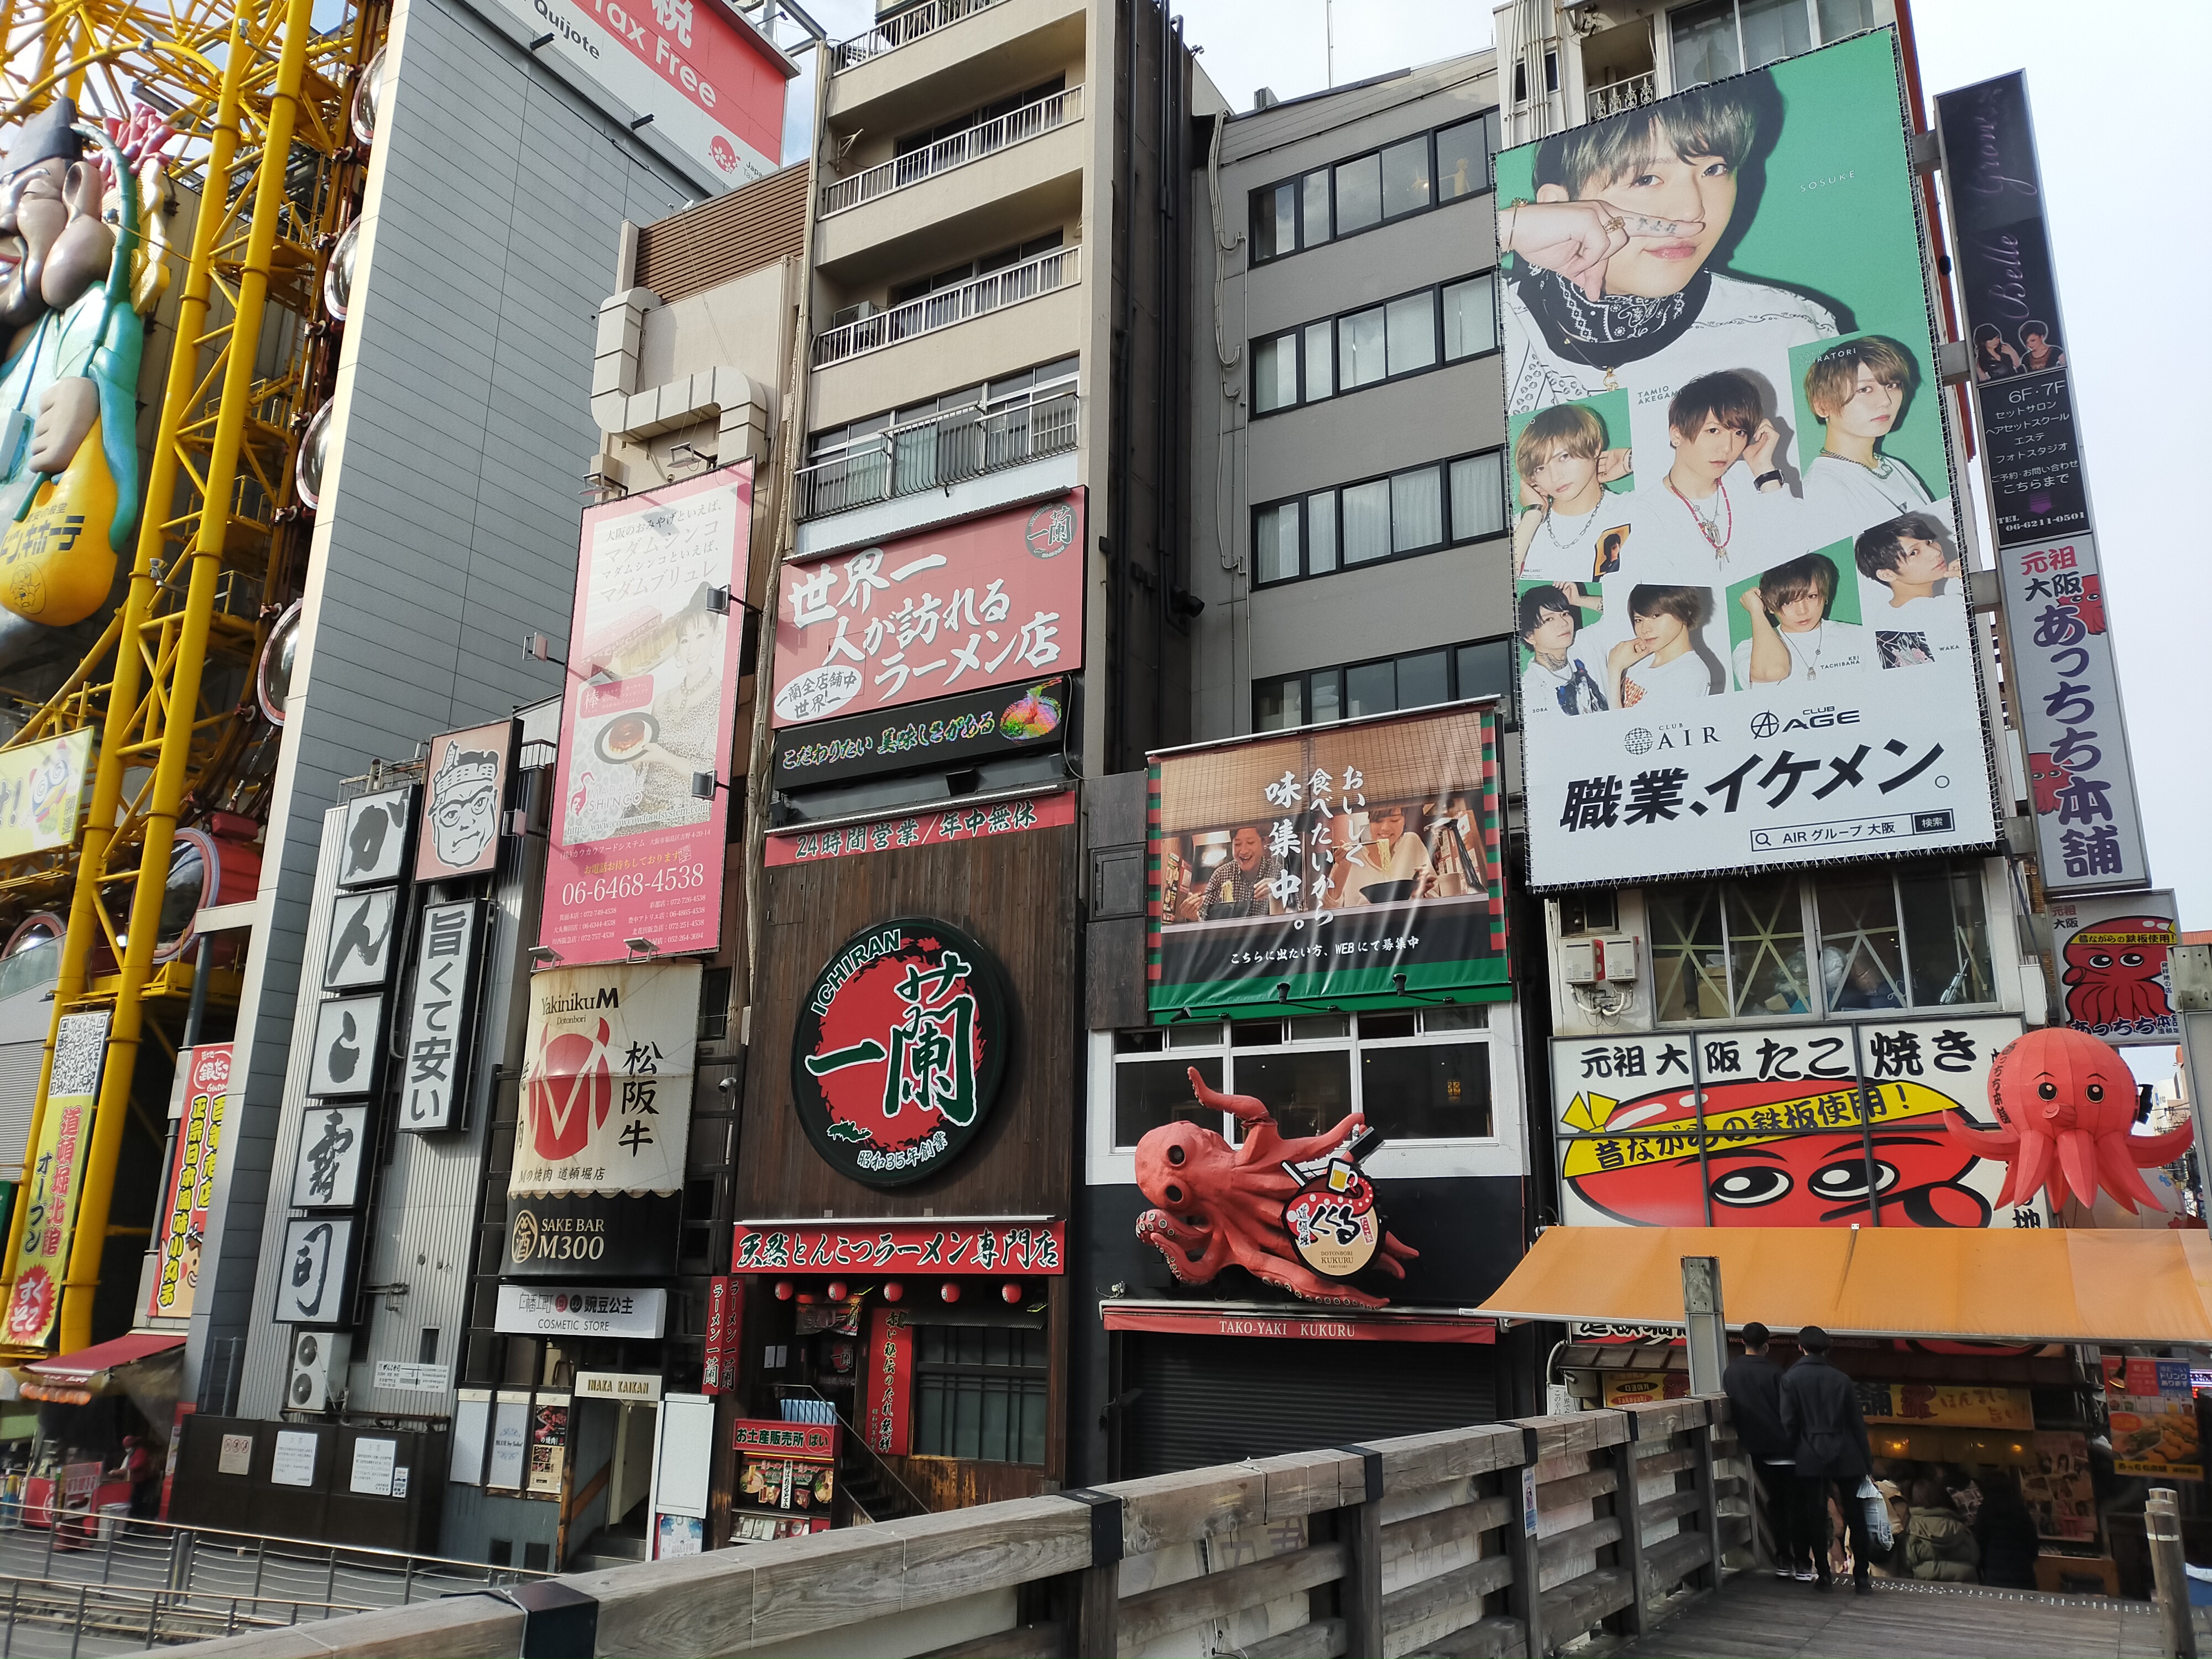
(899, 1049)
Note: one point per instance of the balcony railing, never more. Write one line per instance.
(982, 139)
(1618, 97)
(901, 28)
(1059, 268)
(943, 450)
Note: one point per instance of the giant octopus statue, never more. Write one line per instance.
(2065, 1107)
(1222, 1205)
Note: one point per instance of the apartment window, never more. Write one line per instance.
(978, 117)
(1719, 38)
(979, 1392)
(1404, 177)
(1409, 335)
(1414, 679)
(1420, 1075)
(1416, 510)
(1782, 946)
(955, 276)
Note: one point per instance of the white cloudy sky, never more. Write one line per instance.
(2119, 115)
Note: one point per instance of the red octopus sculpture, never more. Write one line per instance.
(1222, 1205)
(2065, 1104)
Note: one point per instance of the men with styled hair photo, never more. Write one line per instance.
(1561, 459)
(1613, 257)
(1659, 662)
(1791, 636)
(1721, 494)
(1907, 559)
(1558, 678)
(1857, 390)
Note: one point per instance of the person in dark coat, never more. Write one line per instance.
(2006, 1532)
(1754, 1384)
(1828, 1439)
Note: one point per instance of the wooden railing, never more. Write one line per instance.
(1418, 1545)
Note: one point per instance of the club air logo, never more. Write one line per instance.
(1642, 740)
(1637, 742)
(1766, 723)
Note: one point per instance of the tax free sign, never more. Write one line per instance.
(713, 84)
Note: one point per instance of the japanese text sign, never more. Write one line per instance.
(334, 1148)
(534, 1310)
(888, 1377)
(651, 702)
(318, 1268)
(465, 791)
(932, 1247)
(204, 1072)
(980, 726)
(434, 1086)
(1354, 860)
(983, 603)
(1744, 637)
(42, 792)
(2066, 695)
(901, 1044)
(49, 1194)
(2115, 976)
(704, 76)
(929, 828)
(1780, 1125)
(606, 1089)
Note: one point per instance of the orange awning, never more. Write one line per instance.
(2018, 1285)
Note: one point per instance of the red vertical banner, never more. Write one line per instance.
(889, 1381)
(718, 1316)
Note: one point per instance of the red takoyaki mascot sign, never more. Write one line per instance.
(1296, 1213)
(901, 1044)
(2065, 1105)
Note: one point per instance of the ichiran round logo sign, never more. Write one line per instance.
(901, 1044)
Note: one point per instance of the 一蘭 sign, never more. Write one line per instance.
(900, 1047)
(1744, 637)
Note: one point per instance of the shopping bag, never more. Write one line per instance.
(1877, 1514)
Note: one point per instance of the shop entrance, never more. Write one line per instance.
(613, 1476)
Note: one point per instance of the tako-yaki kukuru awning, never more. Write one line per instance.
(2053, 1285)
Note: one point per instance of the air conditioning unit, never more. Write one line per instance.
(319, 1363)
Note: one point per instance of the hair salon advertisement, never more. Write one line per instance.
(1744, 639)
(1352, 864)
(650, 703)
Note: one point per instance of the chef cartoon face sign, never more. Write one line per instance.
(462, 811)
(1757, 1172)
(900, 1047)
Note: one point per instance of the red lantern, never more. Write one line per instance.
(837, 1290)
(1012, 1290)
(895, 1291)
(949, 1290)
(784, 1288)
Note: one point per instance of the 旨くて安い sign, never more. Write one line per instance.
(900, 1048)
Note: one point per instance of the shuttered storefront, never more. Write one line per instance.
(1205, 1399)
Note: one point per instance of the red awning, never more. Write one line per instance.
(1274, 1320)
(88, 1362)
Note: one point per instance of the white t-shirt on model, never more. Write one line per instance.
(1815, 655)
(1933, 629)
(1843, 498)
(1650, 686)
(1735, 532)
(1576, 689)
(1563, 548)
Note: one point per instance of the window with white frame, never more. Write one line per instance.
(1406, 176)
(1763, 947)
(1418, 1075)
(1409, 335)
(1713, 38)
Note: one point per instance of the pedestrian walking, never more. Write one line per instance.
(1828, 1440)
(1754, 1384)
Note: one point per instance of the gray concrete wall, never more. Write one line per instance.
(1441, 598)
(452, 506)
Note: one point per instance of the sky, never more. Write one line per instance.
(2116, 114)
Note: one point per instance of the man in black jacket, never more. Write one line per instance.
(1753, 1384)
(1828, 1437)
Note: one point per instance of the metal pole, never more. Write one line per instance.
(14, 1594)
(2170, 1571)
(76, 1635)
(260, 1554)
(1708, 1325)
(152, 1616)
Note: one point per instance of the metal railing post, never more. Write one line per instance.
(152, 1616)
(407, 1584)
(53, 1530)
(76, 1633)
(14, 1596)
(331, 1581)
(260, 1554)
(107, 1558)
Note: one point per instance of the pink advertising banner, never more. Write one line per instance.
(651, 701)
(981, 603)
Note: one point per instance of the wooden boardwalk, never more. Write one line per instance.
(1764, 1617)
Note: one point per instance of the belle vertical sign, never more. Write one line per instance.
(2088, 823)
